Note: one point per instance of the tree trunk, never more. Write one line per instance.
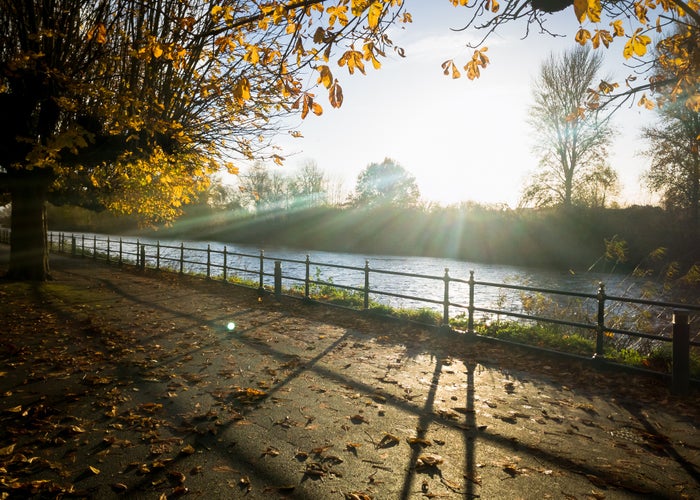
(29, 253)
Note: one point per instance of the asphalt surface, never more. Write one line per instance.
(120, 384)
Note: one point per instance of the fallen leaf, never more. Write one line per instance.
(271, 451)
(119, 487)
(418, 441)
(388, 441)
(358, 419)
(187, 450)
(7, 450)
(429, 460)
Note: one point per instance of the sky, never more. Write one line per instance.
(462, 140)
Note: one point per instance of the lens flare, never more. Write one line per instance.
(231, 326)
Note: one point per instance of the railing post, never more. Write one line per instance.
(138, 254)
(182, 257)
(681, 353)
(158, 255)
(307, 277)
(208, 261)
(366, 299)
(108, 245)
(470, 322)
(73, 247)
(82, 245)
(261, 272)
(225, 265)
(143, 257)
(446, 301)
(94, 247)
(600, 327)
(278, 279)
(121, 259)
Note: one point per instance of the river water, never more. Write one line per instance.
(244, 261)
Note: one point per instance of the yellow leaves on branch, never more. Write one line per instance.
(473, 68)
(156, 185)
(646, 102)
(448, 67)
(335, 92)
(590, 9)
(479, 60)
(98, 33)
(352, 59)
(636, 45)
(325, 76)
(337, 13)
(306, 103)
(242, 90)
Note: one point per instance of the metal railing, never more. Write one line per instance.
(255, 268)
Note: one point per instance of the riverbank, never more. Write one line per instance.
(117, 381)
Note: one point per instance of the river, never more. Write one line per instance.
(244, 260)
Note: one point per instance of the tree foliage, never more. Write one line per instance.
(386, 183)
(623, 25)
(133, 105)
(571, 143)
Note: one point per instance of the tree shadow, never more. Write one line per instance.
(316, 364)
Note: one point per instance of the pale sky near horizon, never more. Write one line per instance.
(463, 140)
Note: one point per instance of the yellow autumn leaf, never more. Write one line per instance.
(693, 103)
(375, 13)
(473, 71)
(647, 103)
(94, 470)
(252, 55)
(357, 7)
(580, 9)
(582, 36)
(640, 11)
(325, 76)
(636, 45)
(601, 36)
(618, 30)
(242, 89)
(157, 51)
(594, 10)
(335, 95)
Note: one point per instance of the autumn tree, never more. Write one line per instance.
(623, 25)
(386, 184)
(570, 142)
(132, 105)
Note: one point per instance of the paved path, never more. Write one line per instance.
(115, 383)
